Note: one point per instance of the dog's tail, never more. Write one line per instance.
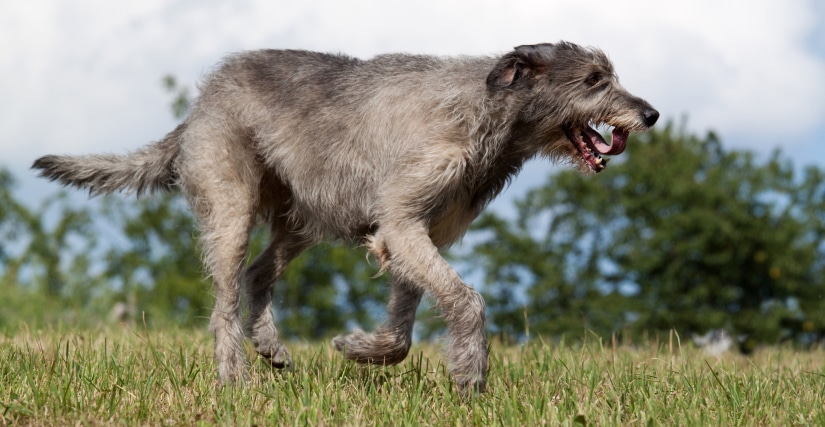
(152, 168)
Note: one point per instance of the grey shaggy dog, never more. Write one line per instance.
(398, 153)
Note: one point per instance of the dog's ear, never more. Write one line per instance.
(522, 64)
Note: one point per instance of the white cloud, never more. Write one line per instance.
(746, 65)
(84, 76)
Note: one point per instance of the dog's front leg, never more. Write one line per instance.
(414, 259)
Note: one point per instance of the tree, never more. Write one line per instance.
(156, 262)
(45, 258)
(9, 213)
(677, 233)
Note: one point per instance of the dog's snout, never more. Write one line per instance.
(651, 116)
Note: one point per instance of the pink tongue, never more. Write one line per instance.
(617, 145)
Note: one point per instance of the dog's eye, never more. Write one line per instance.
(593, 79)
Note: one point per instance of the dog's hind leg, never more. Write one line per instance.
(391, 341)
(220, 179)
(225, 236)
(260, 280)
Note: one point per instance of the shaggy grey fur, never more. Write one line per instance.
(398, 153)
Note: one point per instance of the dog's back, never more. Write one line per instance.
(312, 120)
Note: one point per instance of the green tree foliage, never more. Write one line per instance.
(327, 288)
(9, 213)
(45, 259)
(156, 263)
(677, 233)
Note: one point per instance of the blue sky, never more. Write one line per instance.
(84, 76)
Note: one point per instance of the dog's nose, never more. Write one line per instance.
(651, 116)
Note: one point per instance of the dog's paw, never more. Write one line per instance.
(379, 348)
(276, 354)
(353, 340)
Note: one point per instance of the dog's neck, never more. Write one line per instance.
(502, 155)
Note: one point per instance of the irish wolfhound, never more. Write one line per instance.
(398, 153)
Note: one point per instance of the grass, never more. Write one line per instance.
(145, 377)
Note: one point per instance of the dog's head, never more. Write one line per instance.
(561, 91)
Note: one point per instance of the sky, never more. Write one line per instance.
(85, 76)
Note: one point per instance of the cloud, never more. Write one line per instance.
(84, 76)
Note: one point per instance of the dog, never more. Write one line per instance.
(398, 153)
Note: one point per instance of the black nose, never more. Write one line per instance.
(651, 116)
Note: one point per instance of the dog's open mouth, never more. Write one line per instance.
(591, 146)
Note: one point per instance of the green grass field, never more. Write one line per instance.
(139, 377)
